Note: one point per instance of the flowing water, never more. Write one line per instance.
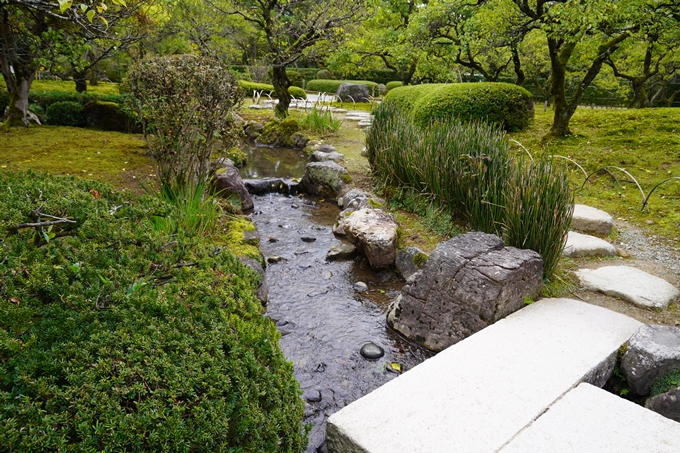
(267, 162)
(322, 320)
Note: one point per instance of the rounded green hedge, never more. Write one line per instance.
(501, 103)
(65, 113)
(250, 87)
(393, 84)
(324, 74)
(331, 86)
(116, 337)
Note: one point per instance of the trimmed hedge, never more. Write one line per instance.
(109, 116)
(47, 98)
(393, 84)
(65, 113)
(250, 87)
(116, 337)
(501, 103)
(331, 86)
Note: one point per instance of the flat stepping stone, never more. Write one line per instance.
(579, 245)
(630, 284)
(589, 420)
(480, 393)
(591, 220)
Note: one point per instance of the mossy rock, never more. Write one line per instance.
(106, 116)
(284, 133)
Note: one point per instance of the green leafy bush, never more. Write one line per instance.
(65, 113)
(117, 337)
(331, 86)
(467, 168)
(107, 116)
(185, 102)
(249, 89)
(501, 103)
(324, 74)
(393, 84)
(47, 98)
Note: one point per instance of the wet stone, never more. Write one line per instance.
(372, 351)
(308, 239)
(341, 252)
(274, 259)
(312, 396)
(360, 287)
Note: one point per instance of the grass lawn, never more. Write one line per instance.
(114, 157)
(644, 142)
(69, 86)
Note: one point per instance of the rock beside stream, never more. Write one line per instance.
(652, 352)
(374, 232)
(326, 179)
(226, 181)
(468, 283)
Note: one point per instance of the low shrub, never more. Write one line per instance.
(467, 168)
(324, 74)
(501, 103)
(393, 84)
(331, 86)
(117, 337)
(47, 98)
(65, 113)
(249, 89)
(107, 116)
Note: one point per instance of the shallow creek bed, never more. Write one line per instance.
(323, 322)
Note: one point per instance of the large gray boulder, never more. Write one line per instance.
(226, 181)
(469, 282)
(652, 352)
(666, 404)
(325, 179)
(351, 92)
(374, 232)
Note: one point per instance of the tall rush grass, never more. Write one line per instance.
(320, 122)
(468, 168)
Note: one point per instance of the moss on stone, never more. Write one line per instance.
(420, 259)
(279, 133)
(233, 228)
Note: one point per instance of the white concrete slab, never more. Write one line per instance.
(476, 395)
(589, 420)
(630, 284)
(591, 220)
(579, 245)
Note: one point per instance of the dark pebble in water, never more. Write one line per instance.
(273, 239)
(301, 252)
(320, 368)
(318, 293)
(308, 239)
(274, 259)
(294, 206)
(372, 351)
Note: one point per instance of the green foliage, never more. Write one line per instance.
(65, 113)
(282, 133)
(504, 104)
(238, 157)
(47, 98)
(331, 86)
(393, 84)
(249, 89)
(117, 337)
(320, 123)
(324, 74)
(467, 168)
(185, 102)
(666, 382)
(107, 116)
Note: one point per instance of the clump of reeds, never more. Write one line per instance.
(468, 168)
(320, 122)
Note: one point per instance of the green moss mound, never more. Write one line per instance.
(107, 116)
(331, 86)
(500, 103)
(116, 337)
(284, 133)
(250, 87)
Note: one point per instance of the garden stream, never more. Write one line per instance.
(323, 322)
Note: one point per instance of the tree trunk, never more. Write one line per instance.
(281, 84)
(559, 56)
(18, 100)
(640, 94)
(517, 65)
(80, 78)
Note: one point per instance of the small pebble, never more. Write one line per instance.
(274, 259)
(372, 351)
(308, 239)
(273, 239)
(312, 396)
(360, 287)
(294, 206)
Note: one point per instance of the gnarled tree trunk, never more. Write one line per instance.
(281, 84)
(18, 101)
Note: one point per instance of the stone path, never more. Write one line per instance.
(489, 392)
(628, 283)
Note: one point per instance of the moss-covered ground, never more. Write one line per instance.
(69, 86)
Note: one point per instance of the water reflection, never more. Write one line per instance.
(266, 162)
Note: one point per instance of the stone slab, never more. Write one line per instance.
(591, 220)
(478, 394)
(579, 245)
(589, 419)
(630, 284)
